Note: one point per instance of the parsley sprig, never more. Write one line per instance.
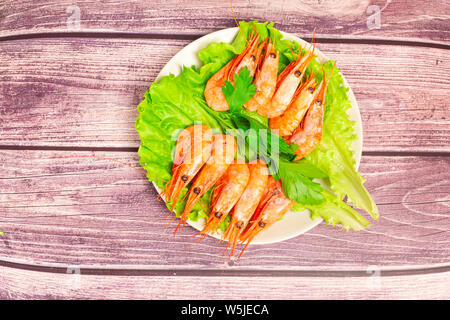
(242, 91)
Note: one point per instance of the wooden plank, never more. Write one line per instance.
(336, 19)
(84, 92)
(24, 284)
(98, 213)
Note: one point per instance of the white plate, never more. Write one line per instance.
(294, 223)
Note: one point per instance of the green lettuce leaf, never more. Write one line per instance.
(334, 154)
(335, 211)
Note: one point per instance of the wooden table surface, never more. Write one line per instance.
(78, 227)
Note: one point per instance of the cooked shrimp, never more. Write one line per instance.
(246, 206)
(291, 118)
(213, 90)
(192, 150)
(287, 84)
(309, 134)
(272, 208)
(222, 155)
(226, 193)
(265, 78)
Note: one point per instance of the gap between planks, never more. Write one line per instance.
(192, 37)
(20, 284)
(112, 271)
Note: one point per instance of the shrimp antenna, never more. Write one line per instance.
(331, 72)
(313, 43)
(293, 54)
(328, 80)
(235, 20)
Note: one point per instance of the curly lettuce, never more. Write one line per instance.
(334, 154)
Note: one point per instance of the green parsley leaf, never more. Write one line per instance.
(242, 91)
(302, 167)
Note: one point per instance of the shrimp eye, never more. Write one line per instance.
(197, 190)
(297, 73)
(239, 225)
(261, 224)
(184, 178)
(218, 215)
(253, 58)
(273, 55)
(311, 89)
(319, 102)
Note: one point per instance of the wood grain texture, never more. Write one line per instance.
(66, 86)
(98, 213)
(400, 19)
(83, 92)
(24, 284)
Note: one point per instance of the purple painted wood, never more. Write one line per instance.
(84, 92)
(24, 284)
(96, 212)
